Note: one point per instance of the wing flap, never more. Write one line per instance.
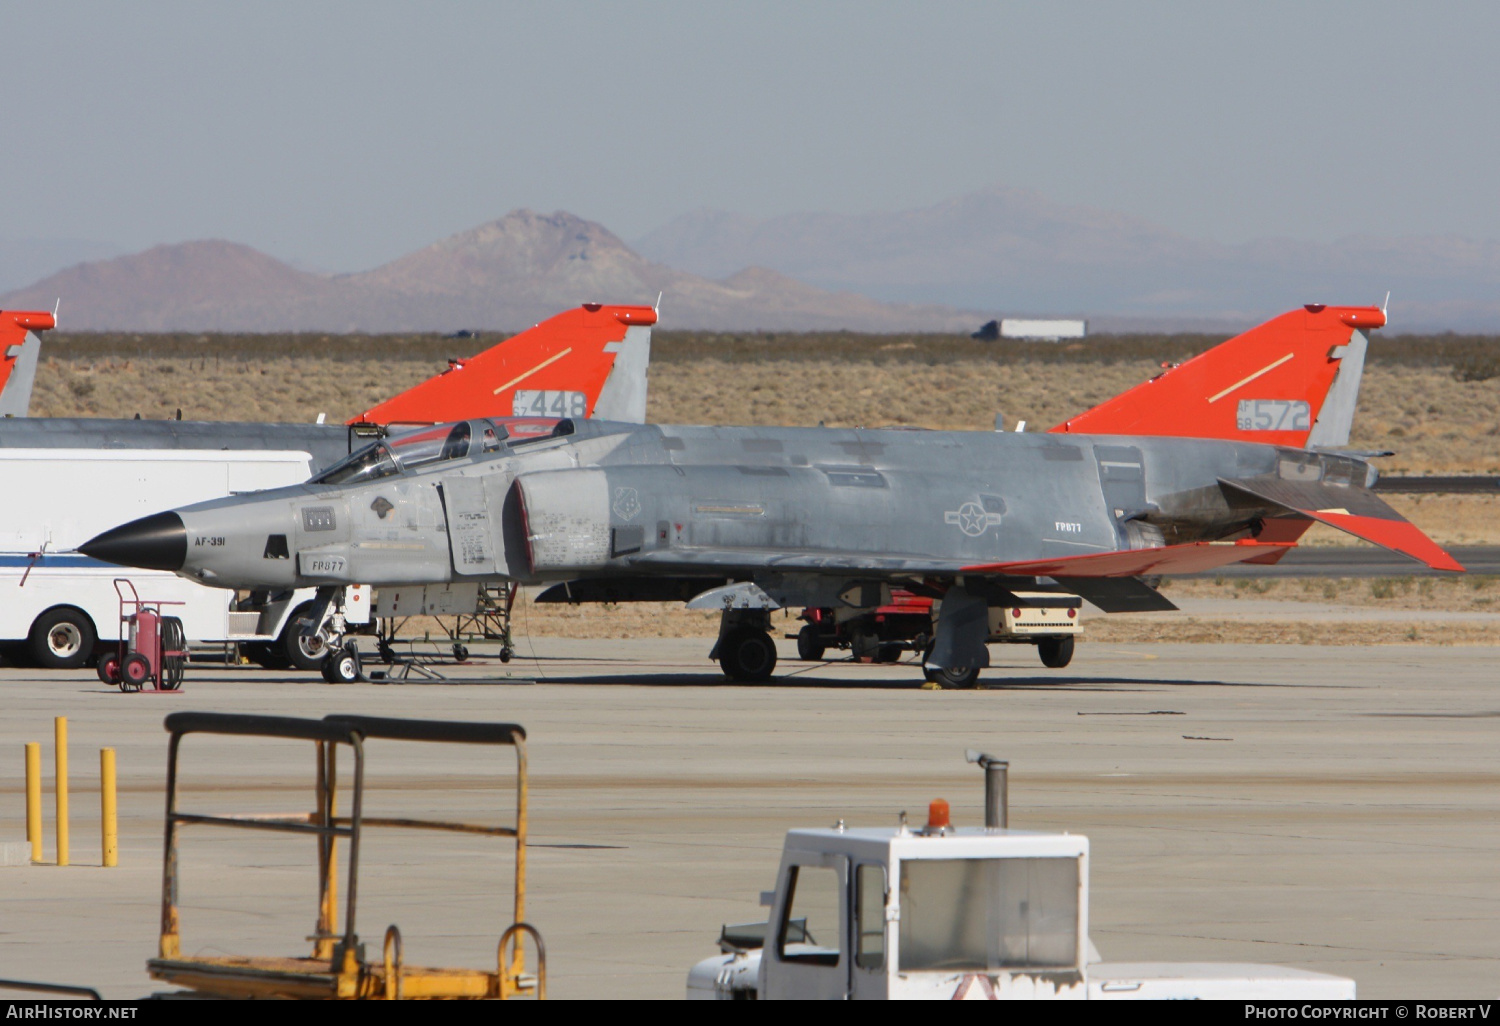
(1357, 511)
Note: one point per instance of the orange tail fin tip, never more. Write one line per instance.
(562, 367)
(1271, 384)
(17, 360)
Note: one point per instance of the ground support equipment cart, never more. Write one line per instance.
(337, 967)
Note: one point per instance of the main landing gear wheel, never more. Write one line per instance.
(342, 666)
(1055, 652)
(957, 679)
(303, 651)
(810, 644)
(747, 654)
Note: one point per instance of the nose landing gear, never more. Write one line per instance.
(343, 665)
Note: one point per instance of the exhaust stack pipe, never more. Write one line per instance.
(996, 788)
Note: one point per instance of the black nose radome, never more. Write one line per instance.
(157, 542)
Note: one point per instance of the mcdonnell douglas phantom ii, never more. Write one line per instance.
(1227, 458)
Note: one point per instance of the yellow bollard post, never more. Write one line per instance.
(60, 727)
(34, 799)
(107, 819)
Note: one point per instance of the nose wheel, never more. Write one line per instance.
(342, 665)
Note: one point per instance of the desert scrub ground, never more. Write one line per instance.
(1436, 401)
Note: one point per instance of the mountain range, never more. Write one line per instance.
(503, 275)
(946, 267)
(1017, 251)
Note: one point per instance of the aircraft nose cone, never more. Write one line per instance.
(157, 542)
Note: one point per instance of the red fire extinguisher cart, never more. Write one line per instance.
(152, 647)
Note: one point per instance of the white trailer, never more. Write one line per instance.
(945, 913)
(1042, 331)
(56, 605)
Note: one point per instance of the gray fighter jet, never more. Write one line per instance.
(1226, 458)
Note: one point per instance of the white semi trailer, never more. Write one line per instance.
(954, 913)
(57, 605)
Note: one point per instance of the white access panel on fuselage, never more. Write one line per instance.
(61, 498)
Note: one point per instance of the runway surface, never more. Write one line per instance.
(1336, 809)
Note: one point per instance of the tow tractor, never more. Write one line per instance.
(904, 622)
(945, 912)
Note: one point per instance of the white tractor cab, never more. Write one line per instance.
(950, 912)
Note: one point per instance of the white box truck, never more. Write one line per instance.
(56, 606)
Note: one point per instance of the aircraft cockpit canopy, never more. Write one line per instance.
(416, 448)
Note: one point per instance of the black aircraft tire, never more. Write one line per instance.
(343, 666)
(748, 655)
(1056, 652)
(302, 653)
(959, 679)
(810, 644)
(62, 639)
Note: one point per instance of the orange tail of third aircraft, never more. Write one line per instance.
(586, 362)
(18, 354)
(1292, 381)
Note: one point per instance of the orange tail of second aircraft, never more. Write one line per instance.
(1292, 381)
(18, 354)
(586, 362)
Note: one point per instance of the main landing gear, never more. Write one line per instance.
(745, 649)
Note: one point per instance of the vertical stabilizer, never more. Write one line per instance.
(19, 348)
(1292, 381)
(1336, 418)
(585, 362)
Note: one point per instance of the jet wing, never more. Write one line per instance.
(1358, 511)
(1170, 559)
(1194, 557)
(699, 560)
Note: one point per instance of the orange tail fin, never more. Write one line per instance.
(590, 361)
(18, 355)
(1291, 381)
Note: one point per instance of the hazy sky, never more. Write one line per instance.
(344, 134)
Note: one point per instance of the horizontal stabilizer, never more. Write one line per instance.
(1192, 558)
(1358, 511)
(1121, 594)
